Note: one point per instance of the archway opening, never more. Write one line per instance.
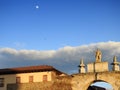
(100, 85)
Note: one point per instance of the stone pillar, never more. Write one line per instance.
(81, 67)
(115, 64)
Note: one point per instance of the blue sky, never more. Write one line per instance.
(58, 33)
(57, 23)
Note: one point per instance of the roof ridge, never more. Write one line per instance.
(30, 66)
(26, 69)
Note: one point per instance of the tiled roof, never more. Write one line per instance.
(40, 68)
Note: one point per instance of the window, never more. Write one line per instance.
(30, 78)
(1, 82)
(18, 79)
(44, 77)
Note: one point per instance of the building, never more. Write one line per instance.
(43, 73)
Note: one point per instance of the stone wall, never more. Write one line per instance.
(60, 83)
(73, 82)
(30, 86)
(97, 67)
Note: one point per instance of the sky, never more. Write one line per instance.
(57, 23)
(58, 32)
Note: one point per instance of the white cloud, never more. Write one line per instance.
(66, 58)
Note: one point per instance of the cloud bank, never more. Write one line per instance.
(66, 59)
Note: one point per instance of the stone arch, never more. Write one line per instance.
(94, 81)
(84, 80)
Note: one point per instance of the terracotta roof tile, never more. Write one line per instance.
(28, 69)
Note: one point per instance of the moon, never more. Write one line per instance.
(37, 7)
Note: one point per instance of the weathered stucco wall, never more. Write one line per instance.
(38, 77)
